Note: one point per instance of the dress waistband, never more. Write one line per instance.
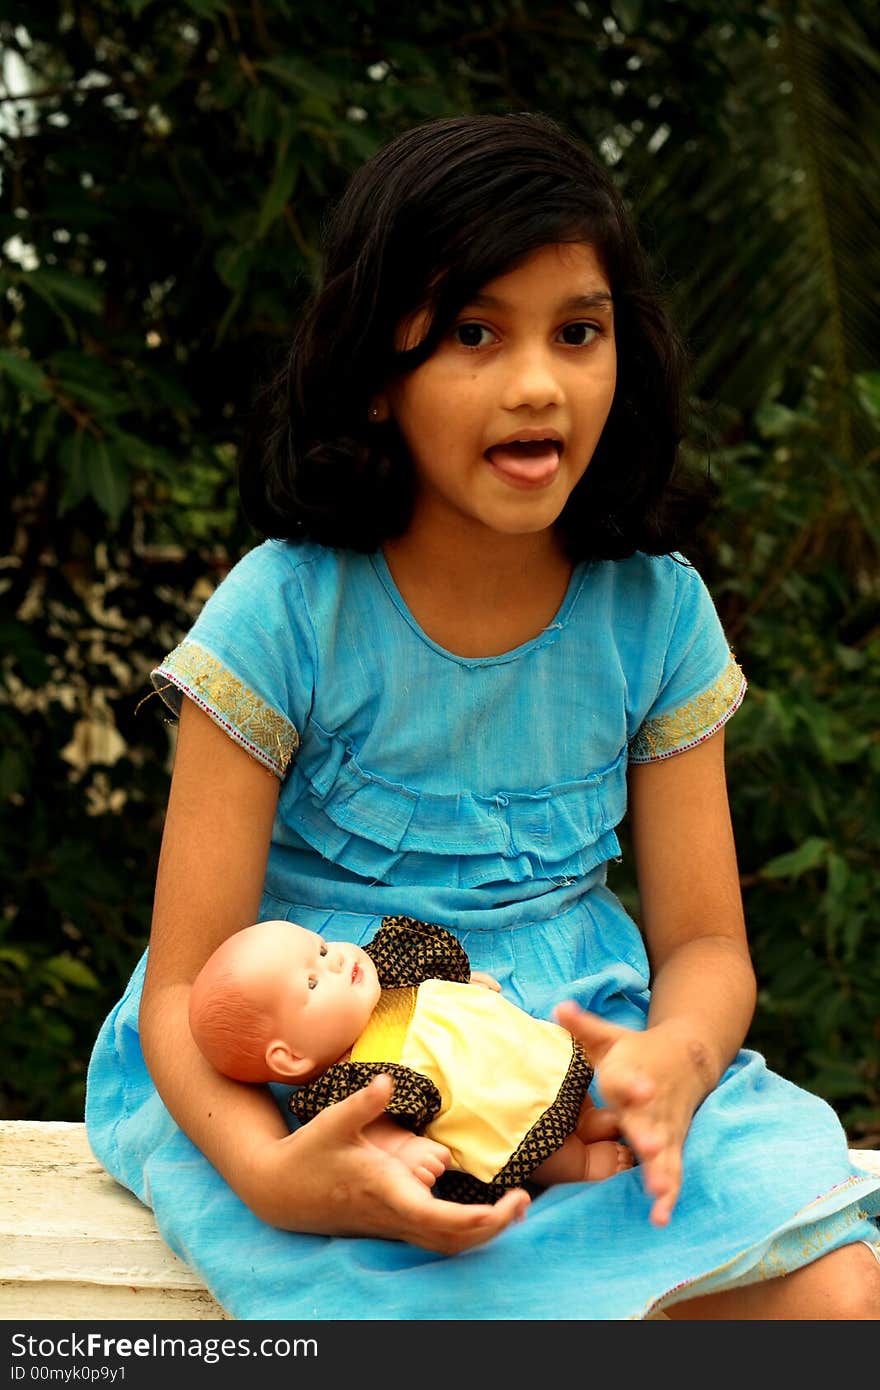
(325, 887)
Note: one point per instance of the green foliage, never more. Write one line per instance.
(165, 173)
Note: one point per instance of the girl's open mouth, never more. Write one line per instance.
(526, 464)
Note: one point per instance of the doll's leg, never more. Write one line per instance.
(588, 1154)
(594, 1123)
(576, 1161)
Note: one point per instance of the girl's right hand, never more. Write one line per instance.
(327, 1178)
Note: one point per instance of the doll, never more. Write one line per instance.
(486, 1097)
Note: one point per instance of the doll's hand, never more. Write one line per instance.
(478, 977)
(424, 1157)
(649, 1081)
(328, 1178)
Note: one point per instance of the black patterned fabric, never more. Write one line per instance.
(408, 952)
(414, 1103)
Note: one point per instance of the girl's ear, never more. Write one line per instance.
(286, 1064)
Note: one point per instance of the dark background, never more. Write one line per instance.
(165, 169)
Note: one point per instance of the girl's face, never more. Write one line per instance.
(502, 420)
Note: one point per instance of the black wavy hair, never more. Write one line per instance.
(425, 223)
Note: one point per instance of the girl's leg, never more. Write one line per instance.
(841, 1286)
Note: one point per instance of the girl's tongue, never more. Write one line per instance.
(532, 462)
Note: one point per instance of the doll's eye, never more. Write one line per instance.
(322, 949)
(313, 982)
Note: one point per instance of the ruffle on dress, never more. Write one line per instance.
(376, 828)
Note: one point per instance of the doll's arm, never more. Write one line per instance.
(408, 952)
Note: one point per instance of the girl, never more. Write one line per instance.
(469, 646)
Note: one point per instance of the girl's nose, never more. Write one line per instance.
(532, 381)
(335, 959)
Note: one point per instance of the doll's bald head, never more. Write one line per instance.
(275, 1002)
(233, 1004)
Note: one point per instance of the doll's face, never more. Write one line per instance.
(325, 994)
(311, 998)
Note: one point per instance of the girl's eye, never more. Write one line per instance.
(469, 334)
(583, 333)
(322, 949)
(313, 982)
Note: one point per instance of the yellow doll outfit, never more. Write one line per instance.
(473, 1071)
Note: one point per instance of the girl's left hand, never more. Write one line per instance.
(650, 1081)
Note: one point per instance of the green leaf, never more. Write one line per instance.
(90, 382)
(45, 432)
(26, 375)
(301, 76)
(809, 855)
(107, 476)
(53, 285)
(837, 1078)
(140, 456)
(262, 115)
(13, 955)
(71, 971)
(775, 421)
(867, 386)
(628, 14)
(278, 195)
(72, 462)
(234, 263)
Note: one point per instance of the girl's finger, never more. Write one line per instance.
(644, 1138)
(661, 1211)
(594, 1032)
(355, 1112)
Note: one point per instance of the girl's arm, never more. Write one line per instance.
(692, 915)
(326, 1177)
(703, 984)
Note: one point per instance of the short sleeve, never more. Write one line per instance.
(248, 660)
(699, 683)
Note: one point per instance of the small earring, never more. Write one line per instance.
(374, 412)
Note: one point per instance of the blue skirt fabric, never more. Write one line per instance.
(768, 1181)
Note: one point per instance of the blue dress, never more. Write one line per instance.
(482, 794)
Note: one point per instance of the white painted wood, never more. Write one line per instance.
(869, 1159)
(74, 1244)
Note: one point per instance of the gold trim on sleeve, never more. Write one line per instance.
(694, 722)
(266, 734)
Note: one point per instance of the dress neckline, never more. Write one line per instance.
(549, 634)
